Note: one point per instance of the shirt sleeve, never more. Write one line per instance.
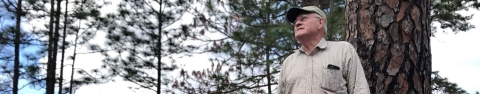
(356, 81)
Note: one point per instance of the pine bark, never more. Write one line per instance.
(392, 39)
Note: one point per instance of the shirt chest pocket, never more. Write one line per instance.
(332, 79)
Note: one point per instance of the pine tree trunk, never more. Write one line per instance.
(73, 60)
(392, 39)
(50, 80)
(60, 83)
(268, 48)
(16, 70)
(55, 48)
(159, 48)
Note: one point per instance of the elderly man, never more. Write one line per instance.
(320, 66)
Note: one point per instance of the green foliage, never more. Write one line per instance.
(256, 38)
(28, 64)
(140, 35)
(37, 10)
(335, 20)
(446, 12)
(441, 85)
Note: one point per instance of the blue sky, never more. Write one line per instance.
(5, 21)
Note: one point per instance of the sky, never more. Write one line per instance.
(456, 56)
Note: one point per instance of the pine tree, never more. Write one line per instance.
(51, 67)
(73, 64)
(14, 36)
(37, 10)
(256, 40)
(441, 85)
(60, 82)
(139, 36)
(392, 41)
(28, 67)
(18, 35)
(82, 24)
(446, 12)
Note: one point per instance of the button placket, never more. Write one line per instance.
(311, 75)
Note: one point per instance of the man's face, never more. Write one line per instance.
(306, 24)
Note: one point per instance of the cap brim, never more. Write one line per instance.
(293, 13)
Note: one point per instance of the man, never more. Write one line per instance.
(320, 66)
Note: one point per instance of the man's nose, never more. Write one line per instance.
(297, 24)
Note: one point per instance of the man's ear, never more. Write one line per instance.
(321, 23)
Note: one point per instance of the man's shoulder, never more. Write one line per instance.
(340, 44)
(291, 57)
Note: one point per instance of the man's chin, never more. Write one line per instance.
(300, 36)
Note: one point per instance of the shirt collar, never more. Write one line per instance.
(322, 45)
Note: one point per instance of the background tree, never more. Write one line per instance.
(65, 22)
(18, 35)
(248, 55)
(446, 12)
(51, 67)
(21, 43)
(36, 12)
(441, 85)
(139, 35)
(82, 22)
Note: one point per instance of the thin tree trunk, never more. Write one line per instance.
(60, 83)
(74, 58)
(55, 47)
(330, 35)
(159, 49)
(392, 39)
(50, 80)
(16, 70)
(269, 75)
